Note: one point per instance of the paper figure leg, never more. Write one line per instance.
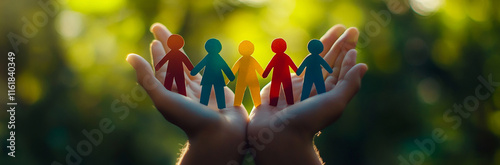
(255, 91)
(181, 85)
(240, 91)
(306, 89)
(287, 87)
(205, 94)
(169, 79)
(275, 93)
(219, 94)
(320, 86)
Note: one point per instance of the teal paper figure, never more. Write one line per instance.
(214, 66)
(313, 62)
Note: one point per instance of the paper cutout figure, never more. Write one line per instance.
(246, 67)
(281, 74)
(212, 75)
(175, 69)
(314, 74)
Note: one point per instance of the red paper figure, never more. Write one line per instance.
(281, 74)
(175, 69)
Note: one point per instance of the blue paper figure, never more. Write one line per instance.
(214, 65)
(313, 62)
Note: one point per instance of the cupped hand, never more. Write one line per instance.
(283, 134)
(214, 135)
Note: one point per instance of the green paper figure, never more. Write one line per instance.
(214, 66)
(314, 75)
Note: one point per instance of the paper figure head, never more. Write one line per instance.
(246, 48)
(278, 45)
(175, 42)
(315, 46)
(213, 46)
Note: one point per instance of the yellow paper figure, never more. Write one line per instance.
(246, 67)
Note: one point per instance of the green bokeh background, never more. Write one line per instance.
(427, 58)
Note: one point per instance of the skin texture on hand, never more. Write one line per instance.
(284, 134)
(213, 135)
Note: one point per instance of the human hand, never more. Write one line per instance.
(283, 134)
(213, 134)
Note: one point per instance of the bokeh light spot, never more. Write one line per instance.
(429, 90)
(69, 24)
(445, 53)
(425, 7)
(80, 56)
(29, 88)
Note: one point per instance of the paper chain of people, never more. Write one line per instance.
(246, 67)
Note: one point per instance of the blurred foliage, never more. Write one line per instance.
(423, 61)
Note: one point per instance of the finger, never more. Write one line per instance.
(346, 42)
(330, 37)
(145, 75)
(350, 84)
(342, 95)
(330, 82)
(348, 63)
(161, 34)
(157, 53)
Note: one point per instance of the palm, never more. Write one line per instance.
(300, 121)
(204, 125)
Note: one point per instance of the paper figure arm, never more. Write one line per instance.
(227, 70)
(199, 66)
(162, 62)
(325, 65)
(257, 67)
(187, 62)
(303, 65)
(292, 65)
(270, 66)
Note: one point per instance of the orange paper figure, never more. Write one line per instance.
(246, 67)
(281, 73)
(175, 69)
